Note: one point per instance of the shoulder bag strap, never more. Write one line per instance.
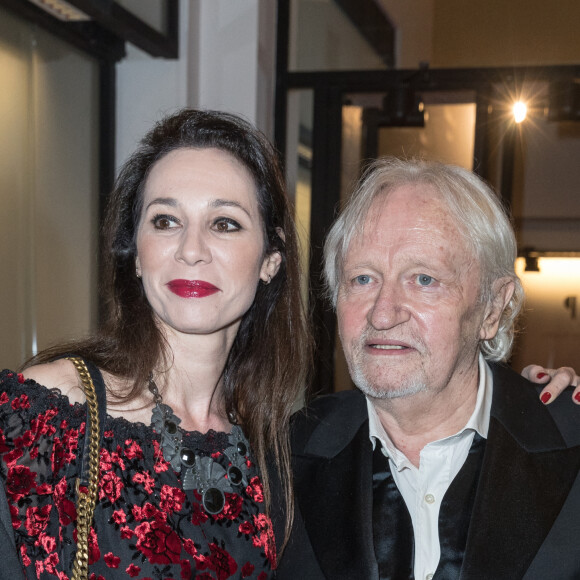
(88, 480)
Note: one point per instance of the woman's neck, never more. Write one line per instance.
(192, 383)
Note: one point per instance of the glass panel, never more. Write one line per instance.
(299, 170)
(323, 38)
(152, 12)
(66, 119)
(545, 147)
(545, 200)
(552, 314)
(448, 136)
(48, 190)
(16, 171)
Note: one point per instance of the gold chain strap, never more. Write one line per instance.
(87, 499)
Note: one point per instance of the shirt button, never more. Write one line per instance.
(430, 498)
(429, 577)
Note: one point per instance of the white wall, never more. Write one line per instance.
(48, 190)
(413, 22)
(148, 88)
(226, 61)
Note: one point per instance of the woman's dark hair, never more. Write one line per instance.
(267, 366)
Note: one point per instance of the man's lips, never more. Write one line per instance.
(388, 347)
(192, 288)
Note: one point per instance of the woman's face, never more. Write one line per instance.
(200, 242)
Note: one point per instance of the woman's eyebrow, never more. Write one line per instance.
(216, 203)
(170, 201)
(228, 203)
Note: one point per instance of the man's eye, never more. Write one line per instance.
(226, 225)
(163, 222)
(362, 280)
(424, 280)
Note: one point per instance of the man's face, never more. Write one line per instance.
(408, 310)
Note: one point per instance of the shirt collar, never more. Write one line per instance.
(479, 420)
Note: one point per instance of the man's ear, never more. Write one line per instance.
(503, 290)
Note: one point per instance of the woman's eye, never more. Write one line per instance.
(424, 280)
(362, 280)
(164, 222)
(226, 225)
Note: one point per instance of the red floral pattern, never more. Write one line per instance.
(146, 526)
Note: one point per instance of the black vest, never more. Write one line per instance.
(392, 528)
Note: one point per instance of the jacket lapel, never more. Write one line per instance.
(526, 476)
(334, 490)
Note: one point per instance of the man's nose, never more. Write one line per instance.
(193, 247)
(390, 308)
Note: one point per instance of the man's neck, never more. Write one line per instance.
(413, 422)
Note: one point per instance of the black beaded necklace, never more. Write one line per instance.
(201, 472)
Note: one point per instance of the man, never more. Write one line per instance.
(443, 464)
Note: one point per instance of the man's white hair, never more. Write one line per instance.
(477, 212)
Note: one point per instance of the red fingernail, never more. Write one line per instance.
(577, 397)
(542, 375)
(545, 398)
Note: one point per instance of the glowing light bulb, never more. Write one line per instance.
(520, 111)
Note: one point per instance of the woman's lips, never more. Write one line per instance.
(192, 288)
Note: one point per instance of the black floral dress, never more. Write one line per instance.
(145, 526)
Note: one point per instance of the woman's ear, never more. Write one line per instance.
(138, 267)
(270, 266)
(272, 261)
(503, 291)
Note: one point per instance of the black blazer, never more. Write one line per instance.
(526, 517)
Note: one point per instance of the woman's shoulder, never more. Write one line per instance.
(60, 374)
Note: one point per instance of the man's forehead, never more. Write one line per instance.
(403, 211)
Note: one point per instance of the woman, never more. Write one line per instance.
(205, 335)
(204, 328)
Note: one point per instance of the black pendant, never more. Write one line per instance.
(242, 449)
(235, 475)
(213, 500)
(187, 457)
(171, 427)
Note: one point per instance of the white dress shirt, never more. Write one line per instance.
(423, 488)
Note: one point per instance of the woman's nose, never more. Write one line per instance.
(193, 247)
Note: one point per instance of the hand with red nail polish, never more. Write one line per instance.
(557, 379)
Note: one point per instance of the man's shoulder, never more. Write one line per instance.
(335, 417)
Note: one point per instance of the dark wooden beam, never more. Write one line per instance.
(111, 26)
(88, 37)
(281, 91)
(430, 79)
(126, 25)
(326, 158)
(374, 26)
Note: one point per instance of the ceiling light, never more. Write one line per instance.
(520, 111)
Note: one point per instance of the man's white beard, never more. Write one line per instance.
(407, 388)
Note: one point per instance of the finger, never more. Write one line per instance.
(536, 374)
(560, 379)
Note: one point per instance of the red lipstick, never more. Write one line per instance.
(192, 288)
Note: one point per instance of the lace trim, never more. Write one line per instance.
(42, 398)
